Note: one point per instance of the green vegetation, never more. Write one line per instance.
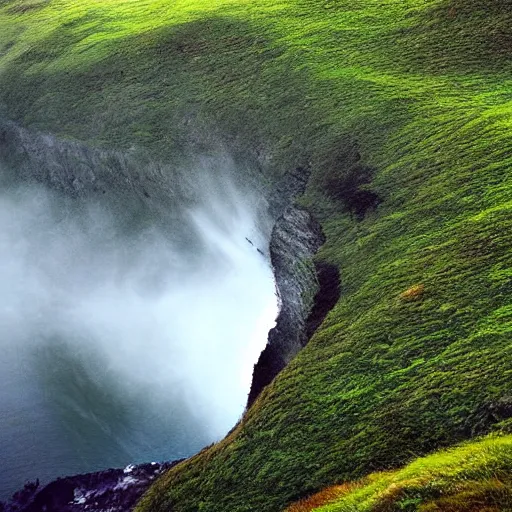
(476, 476)
(407, 101)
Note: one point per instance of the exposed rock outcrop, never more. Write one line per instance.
(112, 490)
(295, 239)
(78, 170)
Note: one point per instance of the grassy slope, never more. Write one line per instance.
(476, 476)
(422, 91)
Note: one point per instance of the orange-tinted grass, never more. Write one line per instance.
(413, 293)
(325, 496)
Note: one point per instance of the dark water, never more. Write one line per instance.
(125, 337)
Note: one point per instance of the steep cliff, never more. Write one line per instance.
(122, 180)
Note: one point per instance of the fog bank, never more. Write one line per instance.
(128, 328)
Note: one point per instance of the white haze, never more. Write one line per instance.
(168, 315)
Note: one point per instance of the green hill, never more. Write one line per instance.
(471, 477)
(403, 111)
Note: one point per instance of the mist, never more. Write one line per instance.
(128, 327)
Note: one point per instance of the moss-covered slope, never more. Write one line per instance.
(403, 109)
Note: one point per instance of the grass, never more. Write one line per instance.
(476, 476)
(407, 102)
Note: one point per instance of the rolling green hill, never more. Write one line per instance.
(471, 477)
(403, 111)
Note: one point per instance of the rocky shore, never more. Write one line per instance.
(112, 490)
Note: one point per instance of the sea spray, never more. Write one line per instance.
(128, 328)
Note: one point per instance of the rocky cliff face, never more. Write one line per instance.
(79, 170)
(295, 239)
(301, 284)
(113, 490)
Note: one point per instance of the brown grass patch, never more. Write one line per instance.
(325, 496)
(413, 293)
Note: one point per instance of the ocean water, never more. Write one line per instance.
(126, 336)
